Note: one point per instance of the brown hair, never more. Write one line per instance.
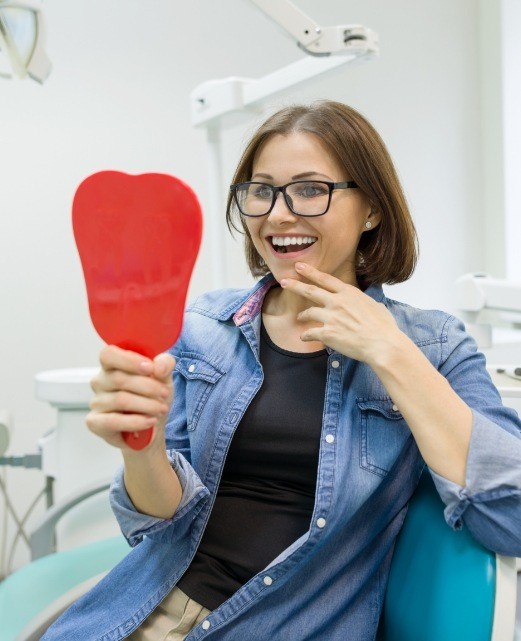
(387, 253)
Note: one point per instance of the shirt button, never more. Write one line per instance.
(330, 438)
(191, 368)
(395, 408)
(268, 580)
(321, 523)
(205, 625)
(335, 364)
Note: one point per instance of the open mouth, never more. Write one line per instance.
(288, 244)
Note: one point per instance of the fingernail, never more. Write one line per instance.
(300, 266)
(146, 367)
(283, 282)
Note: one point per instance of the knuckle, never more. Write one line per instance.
(105, 355)
(91, 421)
(118, 379)
(95, 383)
(121, 401)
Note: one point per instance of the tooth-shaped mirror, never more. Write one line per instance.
(138, 237)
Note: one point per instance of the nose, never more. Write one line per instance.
(281, 213)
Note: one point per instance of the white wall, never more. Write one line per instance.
(511, 91)
(118, 98)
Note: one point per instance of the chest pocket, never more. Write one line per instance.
(383, 433)
(201, 377)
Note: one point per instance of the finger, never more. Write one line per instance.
(114, 380)
(307, 290)
(325, 281)
(163, 367)
(128, 403)
(317, 314)
(110, 426)
(113, 357)
(314, 334)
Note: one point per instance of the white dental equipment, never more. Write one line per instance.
(478, 294)
(22, 40)
(328, 47)
(487, 304)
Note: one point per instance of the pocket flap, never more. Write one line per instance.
(197, 367)
(383, 406)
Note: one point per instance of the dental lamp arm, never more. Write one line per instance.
(310, 36)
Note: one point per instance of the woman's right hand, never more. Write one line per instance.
(131, 393)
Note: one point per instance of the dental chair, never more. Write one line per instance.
(35, 595)
(443, 585)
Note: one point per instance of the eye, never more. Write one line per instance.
(309, 189)
(261, 191)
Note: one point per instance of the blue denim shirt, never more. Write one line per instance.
(329, 584)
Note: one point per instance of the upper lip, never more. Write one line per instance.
(289, 235)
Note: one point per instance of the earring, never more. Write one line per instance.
(368, 224)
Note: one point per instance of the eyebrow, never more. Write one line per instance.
(305, 174)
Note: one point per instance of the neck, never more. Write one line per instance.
(280, 302)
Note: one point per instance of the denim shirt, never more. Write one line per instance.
(330, 583)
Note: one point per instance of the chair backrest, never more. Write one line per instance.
(443, 585)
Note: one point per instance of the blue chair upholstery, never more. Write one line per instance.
(443, 584)
(37, 585)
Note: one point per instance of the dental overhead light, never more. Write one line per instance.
(214, 101)
(22, 39)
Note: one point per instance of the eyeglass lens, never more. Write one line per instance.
(307, 198)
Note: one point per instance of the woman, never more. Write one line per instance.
(336, 398)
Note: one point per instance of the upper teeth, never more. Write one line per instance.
(292, 240)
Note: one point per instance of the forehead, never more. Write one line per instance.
(296, 153)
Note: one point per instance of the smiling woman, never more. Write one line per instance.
(286, 394)
(354, 147)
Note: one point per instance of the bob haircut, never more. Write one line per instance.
(387, 253)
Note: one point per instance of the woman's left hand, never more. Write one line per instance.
(352, 323)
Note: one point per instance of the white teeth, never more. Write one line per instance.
(284, 241)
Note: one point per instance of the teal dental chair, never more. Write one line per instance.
(443, 586)
(36, 594)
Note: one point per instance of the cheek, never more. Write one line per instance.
(254, 232)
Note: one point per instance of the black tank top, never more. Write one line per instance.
(266, 496)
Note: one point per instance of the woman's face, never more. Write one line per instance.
(334, 236)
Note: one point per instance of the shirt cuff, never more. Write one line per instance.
(135, 525)
(493, 471)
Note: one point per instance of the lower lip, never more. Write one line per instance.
(290, 255)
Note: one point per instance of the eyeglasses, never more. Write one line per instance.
(303, 197)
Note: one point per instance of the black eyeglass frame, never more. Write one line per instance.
(350, 184)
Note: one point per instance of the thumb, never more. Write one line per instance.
(163, 366)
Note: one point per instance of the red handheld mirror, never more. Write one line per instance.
(138, 239)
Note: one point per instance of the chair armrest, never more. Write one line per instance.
(41, 540)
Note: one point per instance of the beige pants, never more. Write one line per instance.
(172, 620)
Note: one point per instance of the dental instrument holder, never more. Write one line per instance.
(138, 238)
(220, 103)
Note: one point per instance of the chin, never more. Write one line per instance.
(285, 272)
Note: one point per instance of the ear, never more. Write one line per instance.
(374, 217)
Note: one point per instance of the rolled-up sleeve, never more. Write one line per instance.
(136, 525)
(489, 504)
